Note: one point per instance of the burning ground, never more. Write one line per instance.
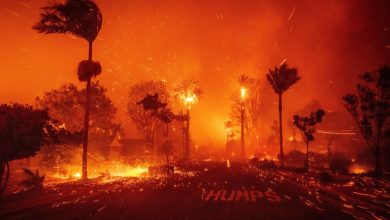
(206, 190)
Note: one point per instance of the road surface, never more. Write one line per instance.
(203, 191)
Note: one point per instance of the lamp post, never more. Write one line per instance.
(242, 105)
(188, 99)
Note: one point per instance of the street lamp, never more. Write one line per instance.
(242, 99)
(188, 100)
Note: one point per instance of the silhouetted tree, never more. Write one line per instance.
(67, 105)
(370, 110)
(144, 118)
(307, 126)
(281, 79)
(81, 18)
(23, 130)
(167, 116)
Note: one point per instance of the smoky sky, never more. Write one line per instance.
(330, 42)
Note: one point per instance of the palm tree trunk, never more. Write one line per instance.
(86, 119)
(281, 131)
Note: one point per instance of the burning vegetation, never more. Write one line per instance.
(88, 151)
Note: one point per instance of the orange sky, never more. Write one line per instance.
(330, 42)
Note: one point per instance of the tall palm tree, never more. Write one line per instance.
(189, 92)
(281, 79)
(81, 18)
(244, 81)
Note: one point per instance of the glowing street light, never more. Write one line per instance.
(189, 99)
(243, 93)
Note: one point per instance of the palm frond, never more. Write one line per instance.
(81, 18)
(281, 79)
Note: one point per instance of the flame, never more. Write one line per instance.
(356, 169)
(112, 169)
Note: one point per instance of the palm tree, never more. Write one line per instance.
(189, 92)
(244, 81)
(281, 79)
(81, 18)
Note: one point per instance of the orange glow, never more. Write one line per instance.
(112, 169)
(189, 99)
(77, 175)
(356, 169)
(144, 40)
(243, 93)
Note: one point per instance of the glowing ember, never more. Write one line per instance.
(113, 169)
(131, 172)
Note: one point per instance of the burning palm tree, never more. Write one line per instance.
(281, 79)
(81, 18)
(189, 92)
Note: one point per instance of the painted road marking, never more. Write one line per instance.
(241, 195)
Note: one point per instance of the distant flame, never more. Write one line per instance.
(113, 169)
(356, 169)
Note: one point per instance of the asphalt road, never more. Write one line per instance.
(209, 191)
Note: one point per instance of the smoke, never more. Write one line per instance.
(330, 42)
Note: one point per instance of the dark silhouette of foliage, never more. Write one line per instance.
(369, 108)
(151, 102)
(165, 115)
(81, 18)
(307, 127)
(23, 130)
(67, 105)
(144, 118)
(33, 181)
(281, 79)
(88, 69)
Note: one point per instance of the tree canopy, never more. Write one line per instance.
(23, 130)
(282, 78)
(81, 18)
(67, 105)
